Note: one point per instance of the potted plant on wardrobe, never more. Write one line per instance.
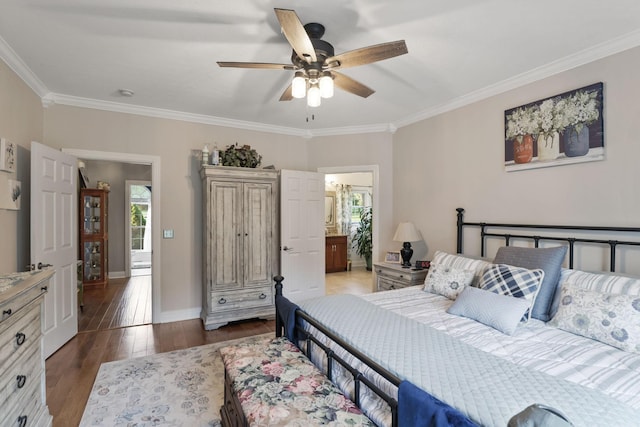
(363, 238)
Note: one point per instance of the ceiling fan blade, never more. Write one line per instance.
(350, 85)
(265, 65)
(286, 95)
(367, 55)
(295, 33)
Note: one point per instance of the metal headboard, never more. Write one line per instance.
(536, 238)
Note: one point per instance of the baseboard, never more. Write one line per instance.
(178, 315)
(116, 275)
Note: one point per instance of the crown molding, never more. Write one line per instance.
(74, 101)
(611, 47)
(11, 58)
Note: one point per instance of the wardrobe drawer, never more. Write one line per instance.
(246, 298)
(28, 406)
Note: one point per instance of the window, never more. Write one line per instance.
(360, 198)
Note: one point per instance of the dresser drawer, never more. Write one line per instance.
(19, 377)
(246, 298)
(12, 307)
(20, 333)
(386, 284)
(28, 405)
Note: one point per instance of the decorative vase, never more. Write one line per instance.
(548, 146)
(523, 150)
(576, 143)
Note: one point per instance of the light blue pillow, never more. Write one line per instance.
(501, 312)
(547, 259)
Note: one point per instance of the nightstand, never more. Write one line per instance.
(393, 276)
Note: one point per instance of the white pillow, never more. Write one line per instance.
(447, 281)
(462, 262)
(609, 318)
(501, 312)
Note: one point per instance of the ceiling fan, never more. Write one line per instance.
(315, 62)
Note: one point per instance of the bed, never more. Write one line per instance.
(446, 356)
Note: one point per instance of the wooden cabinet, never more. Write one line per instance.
(94, 237)
(393, 276)
(22, 367)
(335, 254)
(240, 243)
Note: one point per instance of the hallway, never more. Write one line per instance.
(123, 302)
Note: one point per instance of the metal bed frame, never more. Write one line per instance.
(487, 230)
(536, 238)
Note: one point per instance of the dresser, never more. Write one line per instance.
(393, 276)
(240, 243)
(335, 253)
(22, 374)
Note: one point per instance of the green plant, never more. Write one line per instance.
(363, 237)
(244, 157)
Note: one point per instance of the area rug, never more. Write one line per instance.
(178, 388)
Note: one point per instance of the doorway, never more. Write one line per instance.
(138, 226)
(153, 164)
(363, 184)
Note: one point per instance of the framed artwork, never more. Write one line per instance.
(10, 194)
(559, 130)
(8, 155)
(393, 257)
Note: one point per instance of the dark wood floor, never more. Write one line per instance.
(123, 302)
(72, 370)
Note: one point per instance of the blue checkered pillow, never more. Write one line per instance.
(513, 281)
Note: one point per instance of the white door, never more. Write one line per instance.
(302, 238)
(54, 235)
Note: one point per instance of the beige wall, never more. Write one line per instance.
(176, 143)
(21, 123)
(460, 163)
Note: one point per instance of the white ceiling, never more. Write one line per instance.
(80, 52)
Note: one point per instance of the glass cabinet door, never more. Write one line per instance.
(92, 260)
(91, 214)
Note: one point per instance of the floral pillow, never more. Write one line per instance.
(447, 281)
(513, 281)
(609, 318)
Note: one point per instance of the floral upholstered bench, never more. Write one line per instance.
(271, 382)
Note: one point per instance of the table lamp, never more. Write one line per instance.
(406, 233)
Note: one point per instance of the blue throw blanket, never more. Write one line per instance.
(287, 312)
(417, 408)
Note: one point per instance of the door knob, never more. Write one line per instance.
(41, 265)
(286, 248)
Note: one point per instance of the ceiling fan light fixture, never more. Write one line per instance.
(326, 85)
(313, 96)
(299, 85)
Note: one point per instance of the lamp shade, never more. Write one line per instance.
(298, 85)
(313, 96)
(407, 232)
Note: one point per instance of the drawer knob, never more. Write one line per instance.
(44, 288)
(21, 379)
(401, 276)
(6, 312)
(222, 301)
(22, 421)
(262, 296)
(20, 338)
(392, 287)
